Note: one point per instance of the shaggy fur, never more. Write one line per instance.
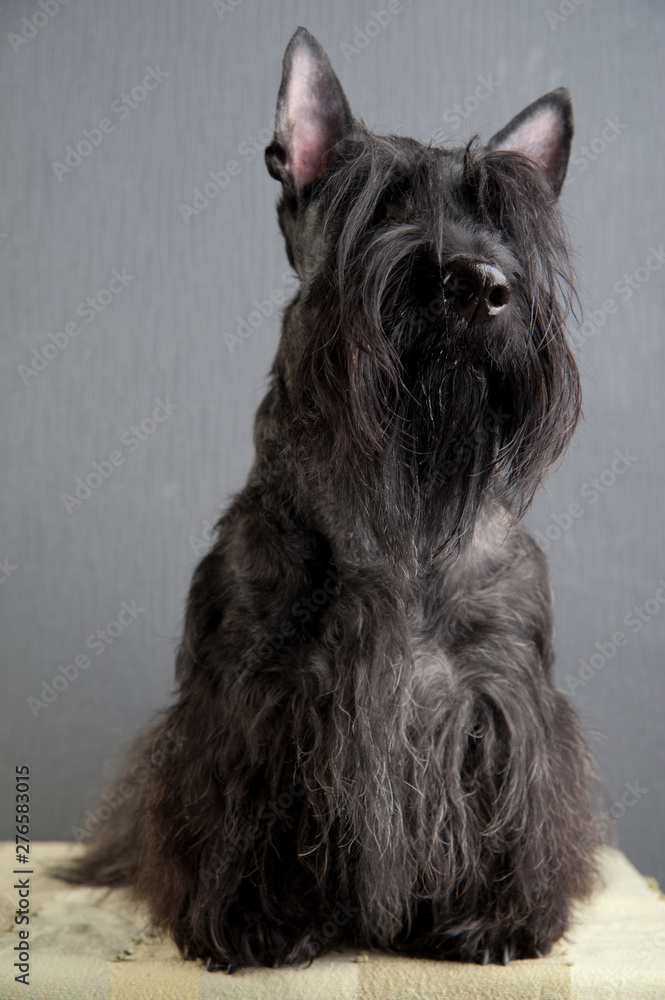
(366, 744)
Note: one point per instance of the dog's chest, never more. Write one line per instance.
(429, 683)
(444, 614)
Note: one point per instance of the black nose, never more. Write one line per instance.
(478, 291)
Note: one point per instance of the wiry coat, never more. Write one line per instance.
(369, 747)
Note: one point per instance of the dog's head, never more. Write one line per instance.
(429, 343)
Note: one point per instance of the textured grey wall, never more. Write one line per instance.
(211, 72)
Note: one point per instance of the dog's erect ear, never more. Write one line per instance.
(312, 114)
(543, 132)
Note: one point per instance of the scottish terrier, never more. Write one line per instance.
(366, 745)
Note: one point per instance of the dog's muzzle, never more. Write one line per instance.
(479, 292)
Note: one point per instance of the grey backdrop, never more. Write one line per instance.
(188, 279)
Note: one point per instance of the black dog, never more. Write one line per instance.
(366, 746)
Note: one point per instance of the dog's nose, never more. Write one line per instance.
(479, 291)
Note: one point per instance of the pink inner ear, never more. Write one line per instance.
(539, 137)
(306, 127)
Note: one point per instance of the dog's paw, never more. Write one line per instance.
(503, 951)
(213, 966)
(494, 946)
(266, 946)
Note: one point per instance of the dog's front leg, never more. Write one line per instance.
(229, 823)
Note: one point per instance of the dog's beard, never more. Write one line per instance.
(401, 407)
